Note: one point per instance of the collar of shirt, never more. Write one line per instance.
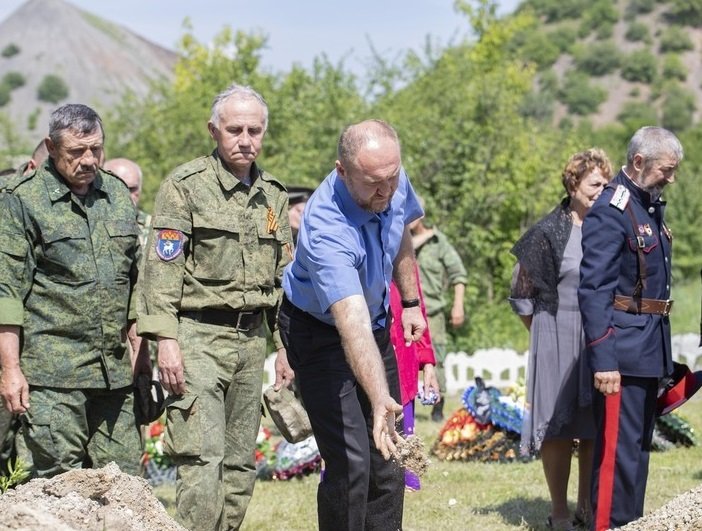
(643, 196)
(228, 180)
(57, 186)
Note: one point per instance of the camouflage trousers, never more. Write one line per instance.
(211, 430)
(79, 428)
(437, 329)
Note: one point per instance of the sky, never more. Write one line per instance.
(297, 31)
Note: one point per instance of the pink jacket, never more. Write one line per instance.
(413, 358)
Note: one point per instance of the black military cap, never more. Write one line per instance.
(298, 194)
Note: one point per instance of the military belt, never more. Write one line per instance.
(243, 321)
(640, 305)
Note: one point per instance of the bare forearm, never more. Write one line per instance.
(405, 267)
(354, 326)
(459, 291)
(9, 347)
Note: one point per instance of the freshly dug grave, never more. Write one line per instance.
(85, 499)
(684, 512)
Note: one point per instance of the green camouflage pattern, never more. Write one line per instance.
(144, 223)
(440, 267)
(67, 268)
(62, 426)
(211, 430)
(237, 243)
(438, 322)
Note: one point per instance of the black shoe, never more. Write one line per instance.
(437, 412)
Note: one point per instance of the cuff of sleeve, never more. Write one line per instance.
(522, 306)
(152, 326)
(277, 341)
(11, 311)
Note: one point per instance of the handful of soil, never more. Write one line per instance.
(411, 454)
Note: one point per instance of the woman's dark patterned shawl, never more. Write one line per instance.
(540, 253)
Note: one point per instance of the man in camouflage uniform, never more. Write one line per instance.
(440, 266)
(130, 173)
(211, 279)
(68, 262)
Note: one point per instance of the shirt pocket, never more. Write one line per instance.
(123, 243)
(216, 248)
(67, 256)
(647, 243)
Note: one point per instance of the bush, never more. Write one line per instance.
(555, 10)
(52, 89)
(563, 38)
(598, 59)
(548, 81)
(687, 12)
(540, 50)
(678, 107)
(639, 7)
(4, 94)
(674, 68)
(640, 66)
(579, 95)
(638, 32)
(13, 80)
(10, 50)
(636, 114)
(605, 31)
(675, 39)
(598, 14)
(538, 105)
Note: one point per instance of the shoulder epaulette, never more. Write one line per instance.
(265, 176)
(189, 168)
(620, 198)
(115, 176)
(13, 182)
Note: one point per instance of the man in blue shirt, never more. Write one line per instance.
(334, 321)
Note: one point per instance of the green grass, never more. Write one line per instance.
(685, 317)
(487, 496)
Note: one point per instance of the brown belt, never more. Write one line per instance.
(241, 320)
(631, 305)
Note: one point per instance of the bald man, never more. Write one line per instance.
(130, 173)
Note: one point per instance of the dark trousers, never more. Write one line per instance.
(625, 423)
(360, 490)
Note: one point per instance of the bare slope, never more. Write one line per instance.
(97, 59)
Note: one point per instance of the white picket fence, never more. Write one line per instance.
(501, 367)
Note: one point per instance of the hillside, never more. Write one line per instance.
(93, 61)
(633, 61)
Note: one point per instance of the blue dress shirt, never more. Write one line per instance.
(343, 250)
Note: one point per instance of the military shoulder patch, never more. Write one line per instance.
(169, 244)
(620, 198)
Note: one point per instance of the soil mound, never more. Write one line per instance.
(85, 499)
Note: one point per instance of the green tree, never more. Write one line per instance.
(52, 89)
(674, 68)
(636, 114)
(579, 95)
(640, 66)
(13, 80)
(675, 39)
(10, 50)
(638, 31)
(687, 12)
(4, 94)
(678, 108)
(597, 59)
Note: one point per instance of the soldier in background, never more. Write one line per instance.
(211, 278)
(130, 174)
(440, 267)
(68, 263)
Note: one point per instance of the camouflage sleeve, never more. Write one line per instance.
(455, 270)
(161, 284)
(284, 257)
(16, 260)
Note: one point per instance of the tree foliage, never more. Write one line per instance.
(640, 66)
(579, 95)
(675, 39)
(52, 89)
(10, 50)
(597, 59)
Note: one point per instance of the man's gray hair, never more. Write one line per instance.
(652, 143)
(240, 92)
(74, 117)
(355, 136)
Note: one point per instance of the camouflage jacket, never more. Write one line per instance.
(215, 244)
(67, 267)
(440, 267)
(144, 222)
